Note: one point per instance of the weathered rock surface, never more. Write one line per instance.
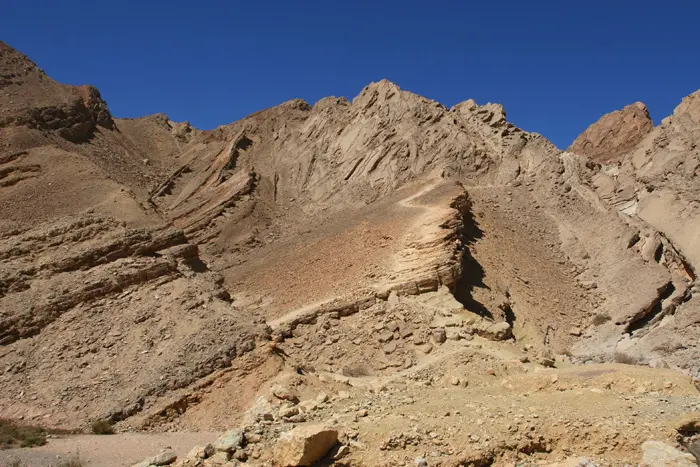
(303, 446)
(614, 134)
(418, 265)
(659, 454)
(163, 458)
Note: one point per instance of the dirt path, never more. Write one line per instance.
(123, 449)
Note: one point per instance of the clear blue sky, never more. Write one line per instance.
(556, 66)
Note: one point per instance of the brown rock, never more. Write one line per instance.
(304, 445)
(614, 134)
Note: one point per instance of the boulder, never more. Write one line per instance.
(304, 445)
(614, 134)
(660, 454)
(163, 458)
(497, 331)
(229, 441)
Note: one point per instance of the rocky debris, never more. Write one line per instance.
(614, 134)
(660, 454)
(304, 445)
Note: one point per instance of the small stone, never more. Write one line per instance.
(389, 348)
(385, 337)
(283, 393)
(362, 413)
(439, 335)
(201, 452)
(575, 331)
(455, 381)
(322, 397)
(421, 462)
(341, 379)
(308, 405)
(341, 452)
(658, 363)
(220, 458)
(287, 412)
(524, 359)
(546, 361)
(490, 372)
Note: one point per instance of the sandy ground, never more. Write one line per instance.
(123, 449)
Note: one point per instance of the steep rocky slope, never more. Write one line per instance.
(378, 250)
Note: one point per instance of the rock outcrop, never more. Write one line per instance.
(614, 134)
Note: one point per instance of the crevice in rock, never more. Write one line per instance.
(655, 310)
(472, 273)
(509, 314)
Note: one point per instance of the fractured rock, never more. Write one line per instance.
(304, 445)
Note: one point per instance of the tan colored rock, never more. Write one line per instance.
(614, 134)
(304, 445)
(660, 454)
(163, 458)
(201, 452)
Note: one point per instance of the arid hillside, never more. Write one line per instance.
(433, 285)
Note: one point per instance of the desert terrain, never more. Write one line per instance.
(370, 282)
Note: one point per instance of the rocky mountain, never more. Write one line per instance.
(369, 265)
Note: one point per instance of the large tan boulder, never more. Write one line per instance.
(304, 445)
(660, 454)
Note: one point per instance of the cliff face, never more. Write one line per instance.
(148, 260)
